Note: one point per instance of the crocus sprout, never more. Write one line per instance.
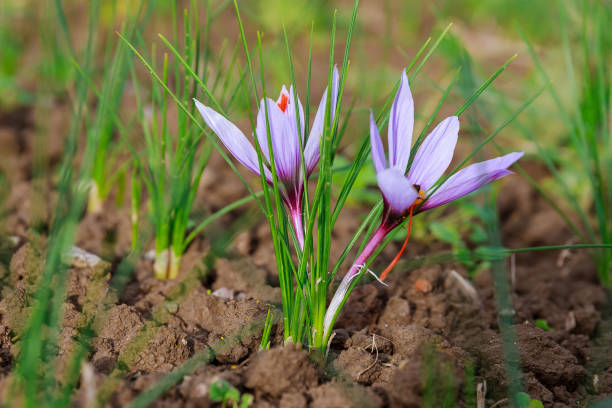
(285, 138)
(405, 195)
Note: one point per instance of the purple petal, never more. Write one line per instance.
(471, 178)
(262, 131)
(311, 151)
(233, 139)
(334, 92)
(378, 153)
(283, 137)
(434, 154)
(290, 113)
(396, 189)
(401, 122)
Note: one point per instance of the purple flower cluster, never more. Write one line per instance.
(406, 191)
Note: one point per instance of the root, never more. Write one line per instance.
(373, 347)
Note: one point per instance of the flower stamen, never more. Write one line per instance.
(420, 195)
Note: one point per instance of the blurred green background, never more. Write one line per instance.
(37, 70)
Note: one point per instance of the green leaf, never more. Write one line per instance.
(446, 234)
(543, 324)
(478, 235)
(490, 253)
(464, 256)
(523, 400)
(121, 187)
(220, 390)
(233, 394)
(247, 401)
(534, 403)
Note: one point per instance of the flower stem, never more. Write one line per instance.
(369, 249)
(342, 291)
(296, 219)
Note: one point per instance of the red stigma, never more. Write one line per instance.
(401, 251)
(283, 102)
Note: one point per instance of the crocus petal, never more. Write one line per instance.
(396, 189)
(284, 140)
(262, 130)
(290, 112)
(311, 151)
(401, 122)
(233, 139)
(378, 153)
(471, 178)
(434, 154)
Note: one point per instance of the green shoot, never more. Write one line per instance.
(172, 163)
(223, 392)
(265, 338)
(136, 194)
(34, 383)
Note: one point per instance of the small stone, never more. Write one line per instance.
(200, 391)
(171, 307)
(242, 243)
(80, 258)
(149, 256)
(224, 293)
(570, 321)
(423, 286)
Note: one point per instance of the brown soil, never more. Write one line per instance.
(389, 342)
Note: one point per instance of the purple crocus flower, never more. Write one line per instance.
(404, 194)
(284, 135)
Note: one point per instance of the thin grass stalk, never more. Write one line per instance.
(172, 170)
(31, 378)
(187, 111)
(103, 177)
(584, 127)
(286, 292)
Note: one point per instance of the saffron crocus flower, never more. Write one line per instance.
(285, 138)
(407, 194)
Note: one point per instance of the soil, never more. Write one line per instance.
(430, 335)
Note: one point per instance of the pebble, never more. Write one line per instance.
(80, 258)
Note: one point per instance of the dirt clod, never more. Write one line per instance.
(344, 395)
(281, 370)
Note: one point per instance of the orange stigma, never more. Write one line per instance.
(419, 200)
(284, 101)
